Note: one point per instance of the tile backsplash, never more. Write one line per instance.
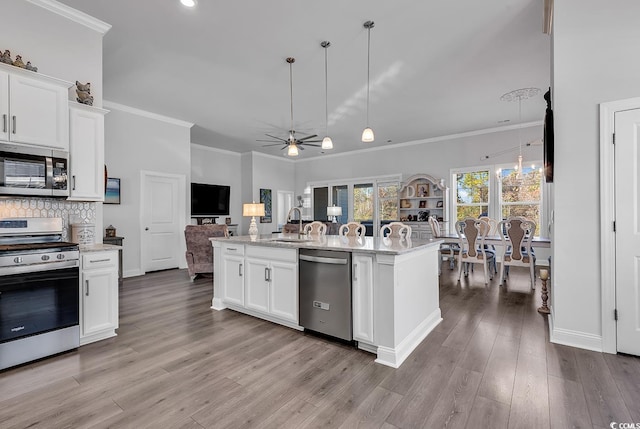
(69, 211)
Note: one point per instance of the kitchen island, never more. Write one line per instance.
(395, 300)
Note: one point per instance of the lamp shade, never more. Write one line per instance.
(253, 209)
(293, 150)
(327, 143)
(367, 135)
(334, 211)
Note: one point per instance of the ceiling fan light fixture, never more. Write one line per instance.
(188, 3)
(293, 150)
(367, 134)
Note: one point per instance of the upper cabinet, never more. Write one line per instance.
(86, 152)
(422, 196)
(33, 108)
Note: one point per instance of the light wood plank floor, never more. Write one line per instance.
(178, 364)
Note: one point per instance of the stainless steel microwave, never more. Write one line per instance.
(33, 171)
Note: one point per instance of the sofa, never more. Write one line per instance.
(199, 252)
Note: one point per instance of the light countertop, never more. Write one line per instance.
(334, 242)
(98, 247)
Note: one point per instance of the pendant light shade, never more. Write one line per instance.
(293, 149)
(367, 134)
(326, 141)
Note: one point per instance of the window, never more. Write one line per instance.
(471, 197)
(521, 194)
(363, 202)
(340, 198)
(481, 192)
(388, 201)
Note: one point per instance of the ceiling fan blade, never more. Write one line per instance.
(273, 144)
(314, 145)
(277, 138)
(307, 137)
(272, 141)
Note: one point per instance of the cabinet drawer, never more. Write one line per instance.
(233, 249)
(273, 253)
(99, 260)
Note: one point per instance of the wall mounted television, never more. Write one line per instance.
(209, 200)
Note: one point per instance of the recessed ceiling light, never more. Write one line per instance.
(188, 3)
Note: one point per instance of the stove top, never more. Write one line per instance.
(47, 246)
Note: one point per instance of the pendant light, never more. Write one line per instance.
(326, 141)
(520, 94)
(367, 134)
(293, 148)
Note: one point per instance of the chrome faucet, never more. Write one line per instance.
(299, 217)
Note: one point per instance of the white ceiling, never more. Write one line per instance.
(437, 67)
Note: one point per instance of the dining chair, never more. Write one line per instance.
(516, 239)
(448, 251)
(352, 229)
(493, 230)
(471, 233)
(315, 228)
(395, 230)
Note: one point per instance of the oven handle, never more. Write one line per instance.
(35, 268)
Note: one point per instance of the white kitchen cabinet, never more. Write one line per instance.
(33, 108)
(99, 296)
(86, 152)
(233, 270)
(362, 297)
(257, 286)
(272, 282)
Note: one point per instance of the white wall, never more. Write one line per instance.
(593, 62)
(135, 142)
(219, 167)
(262, 171)
(435, 157)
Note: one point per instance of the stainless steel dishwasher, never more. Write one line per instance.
(325, 292)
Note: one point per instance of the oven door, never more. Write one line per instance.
(39, 302)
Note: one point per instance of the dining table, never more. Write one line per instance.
(496, 240)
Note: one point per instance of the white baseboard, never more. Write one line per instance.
(217, 304)
(394, 357)
(571, 338)
(132, 273)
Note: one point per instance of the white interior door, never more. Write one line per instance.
(162, 220)
(627, 214)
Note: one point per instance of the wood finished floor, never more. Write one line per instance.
(178, 364)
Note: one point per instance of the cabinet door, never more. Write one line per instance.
(284, 291)
(86, 154)
(257, 285)
(233, 279)
(362, 289)
(99, 300)
(4, 106)
(39, 112)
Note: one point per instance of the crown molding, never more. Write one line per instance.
(427, 141)
(117, 106)
(73, 14)
(215, 149)
(266, 155)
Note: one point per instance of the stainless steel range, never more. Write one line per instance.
(39, 290)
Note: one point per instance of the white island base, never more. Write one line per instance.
(395, 295)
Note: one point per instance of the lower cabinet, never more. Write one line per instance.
(362, 297)
(99, 296)
(262, 280)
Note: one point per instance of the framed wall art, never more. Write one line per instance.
(112, 191)
(265, 198)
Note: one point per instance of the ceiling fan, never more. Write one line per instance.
(292, 143)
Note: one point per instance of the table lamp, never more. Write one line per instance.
(253, 209)
(334, 211)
